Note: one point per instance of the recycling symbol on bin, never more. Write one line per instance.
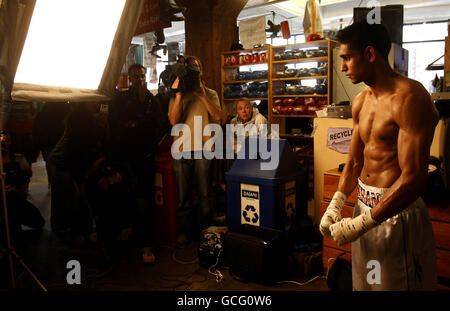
(250, 214)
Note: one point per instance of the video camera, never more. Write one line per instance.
(189, 78)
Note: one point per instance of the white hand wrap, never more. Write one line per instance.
(348, 230)
(332, 214)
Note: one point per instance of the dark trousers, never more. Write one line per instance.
(70, 207)
(115, 210)
(144, 221)
(61, 199)
(81, 212)
(185, 171)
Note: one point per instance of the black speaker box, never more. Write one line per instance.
(256, 253)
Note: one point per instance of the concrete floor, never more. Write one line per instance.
(47, 255)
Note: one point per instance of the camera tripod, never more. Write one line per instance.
(10, 251)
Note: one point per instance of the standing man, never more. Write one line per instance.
(393, 126)
(135, 127)
(48, 128)
(186, 105)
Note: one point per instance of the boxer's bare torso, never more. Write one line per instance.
(381, 120)
(393, 127)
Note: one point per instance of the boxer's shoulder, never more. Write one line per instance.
(358, 102)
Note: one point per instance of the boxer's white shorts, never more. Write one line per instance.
(403, 246)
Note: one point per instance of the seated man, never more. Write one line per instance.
(247, 114)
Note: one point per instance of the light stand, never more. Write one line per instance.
(10, 250)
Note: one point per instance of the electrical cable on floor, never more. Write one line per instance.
(180, 278)
(183, 262)
(216, 273)
(302, 284)
(313, 279)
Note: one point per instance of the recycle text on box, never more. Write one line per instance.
(338, 139)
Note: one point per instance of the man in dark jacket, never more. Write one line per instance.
(48, 128)
(135, 121)
(73, 158)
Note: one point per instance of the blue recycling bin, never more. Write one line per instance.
(271, 198)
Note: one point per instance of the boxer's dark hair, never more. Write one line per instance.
(361, 34)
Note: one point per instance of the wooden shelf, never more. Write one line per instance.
(263, 48)
(303, 45)
(251, 98)
(285, 121)
(274, 115)
(245, 81)
(288, 121)
(300, 78)
(301, 60)
(300, 95)
(241, 65)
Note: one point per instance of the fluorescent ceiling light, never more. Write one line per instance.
(328, 2)
(68, 42)
(296, 7)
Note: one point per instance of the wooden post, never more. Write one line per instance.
(210, 27)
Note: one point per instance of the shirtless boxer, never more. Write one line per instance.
(393, 126)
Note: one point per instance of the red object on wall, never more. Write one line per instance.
(255, 58)
(313, 37)
(310, 101)
(234, 59)
(300, 109)
(285, 29)
(288, 101)
(263, 57)
(228, 60)
(276, 109)
(166, 195)
(149, 20)
(322, 102)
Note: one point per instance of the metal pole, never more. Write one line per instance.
(5, 214)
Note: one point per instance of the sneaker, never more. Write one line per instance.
(182, 241)
(148, 257)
